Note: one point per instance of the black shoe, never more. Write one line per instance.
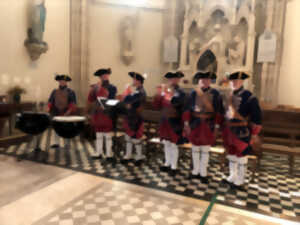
(172, 173)
(125, 161)
(164, 168)
(204, 180)
(239, 187)
(138, 162)
(192, 176)
(55, 146)
(96, 157)
(225, 181)
(110, 159)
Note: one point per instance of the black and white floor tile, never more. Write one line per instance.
(273, 191)
(111, 204)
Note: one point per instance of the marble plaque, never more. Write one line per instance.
(267, 47)
(171, 50)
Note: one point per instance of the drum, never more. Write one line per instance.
(68, 126)
(33, 123)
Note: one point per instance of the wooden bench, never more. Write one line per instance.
(281, 134)
(291, 152)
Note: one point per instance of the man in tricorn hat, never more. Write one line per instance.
(101, 120)
(171, 99)
(241, 128)
(62, 101)
(202, 118)
(133, 123)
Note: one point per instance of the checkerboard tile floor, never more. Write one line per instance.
(272, 192)
(110, 204)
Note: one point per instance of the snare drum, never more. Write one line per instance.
(68, 126)
(33, 123)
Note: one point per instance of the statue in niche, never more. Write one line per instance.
(236, 51)
(35, 33)
(214, 50)
(127, 30)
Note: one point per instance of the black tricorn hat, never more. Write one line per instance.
(64, 77)
(137, 76)
(205, 75)
(177, 74)
(238, 76)
(101, 72)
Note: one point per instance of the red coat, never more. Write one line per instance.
(100, 120)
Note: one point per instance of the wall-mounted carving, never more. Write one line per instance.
(127, 36)
(35, 33)
(224, 27)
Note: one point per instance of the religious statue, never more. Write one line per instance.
(211, 52)
(127, 39)
(236, 51)
(34, 42)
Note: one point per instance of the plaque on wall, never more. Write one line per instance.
(171, 50)
(267, 47)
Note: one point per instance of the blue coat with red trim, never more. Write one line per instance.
(246, 110)
(133, 123)
(202, 120)
(61, 100)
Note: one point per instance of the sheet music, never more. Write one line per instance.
(112, 102)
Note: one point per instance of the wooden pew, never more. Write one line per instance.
(281, 133)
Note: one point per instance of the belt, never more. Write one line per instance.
(237, 124)
(202, 115)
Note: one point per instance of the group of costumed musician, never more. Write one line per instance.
(170, 99)
(196, 118)
(101, 119)
(133, 121)
(62, 102)
(202, 118)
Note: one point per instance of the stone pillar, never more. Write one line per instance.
(78, 48)
(251, 44)
(265, 67)
(278, 27)
(271, 71)
(184, 40)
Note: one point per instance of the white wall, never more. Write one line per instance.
(104, 45)
(15, 64)
(289, 83)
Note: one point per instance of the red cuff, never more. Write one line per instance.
(50, 105)
(219, 119)
(255, 129)
(72, 107)
(186, 116)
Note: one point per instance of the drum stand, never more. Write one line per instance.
(36, 152)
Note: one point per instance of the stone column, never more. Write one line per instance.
(265, 67)
(278, 27)
(251, 44)
(78, 48)
(184, 40)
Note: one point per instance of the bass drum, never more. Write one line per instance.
(68, 126)
(32, 123)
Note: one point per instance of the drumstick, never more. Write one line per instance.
(99, 100)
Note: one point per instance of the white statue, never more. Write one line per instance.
(215, 44)
(236, 55)
(127, 39)
(35, 33)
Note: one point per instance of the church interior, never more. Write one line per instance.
(149, 112)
